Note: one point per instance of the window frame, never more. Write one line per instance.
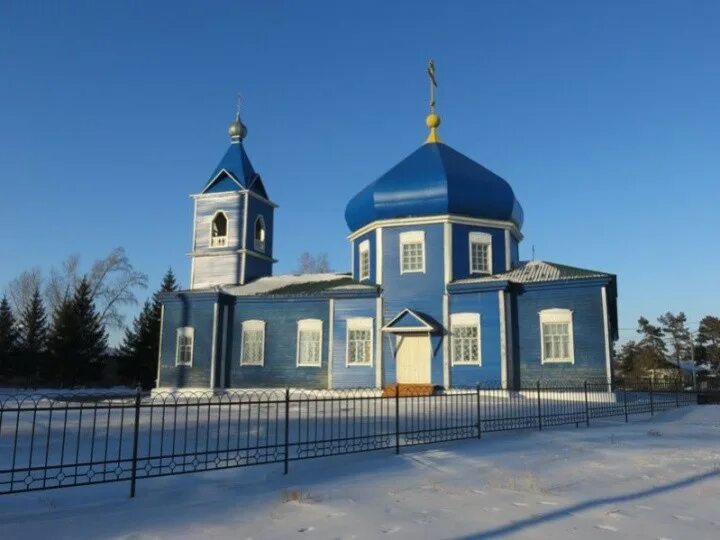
(412, 237)
(464, 320)
(355, 324)
(184, 332)
(226, 243)
(364, 253)
(477, 237)
(252, 325)
(557, 316)
(260, 245)
(309, 325)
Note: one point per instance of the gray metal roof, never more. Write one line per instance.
(299, 285)
(538, 272)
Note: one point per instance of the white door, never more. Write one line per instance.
(413, 359)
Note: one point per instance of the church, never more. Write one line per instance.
(436, 294)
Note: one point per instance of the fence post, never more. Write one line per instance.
(397, 418)
(587, 407)
(625, 401)
(652, 402)
(479, 429)
(133, 474)
(286, 461)
(539, 407)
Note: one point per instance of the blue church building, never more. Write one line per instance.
(437, 294)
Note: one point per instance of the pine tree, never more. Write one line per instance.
(78, 341)
(675, 327)
(709, 339)
(32, 338)
(8, 337)
(139, 351)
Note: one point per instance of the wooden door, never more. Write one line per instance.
(413, 359)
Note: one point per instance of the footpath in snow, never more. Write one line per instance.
(655, 479)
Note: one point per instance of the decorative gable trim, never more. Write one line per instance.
(221, 174)
(421, 323)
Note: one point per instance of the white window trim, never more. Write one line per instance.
(557, 315)
(413, 237)
(252, 325)
(227, 231)
(185, 331)
(257, 245)
(364, 251)
(359, 323)
(465, 319)
(311, 325)
(480, 238)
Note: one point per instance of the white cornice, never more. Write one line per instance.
(443, 218)
(231, 194)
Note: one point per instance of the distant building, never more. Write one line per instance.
(436, 295)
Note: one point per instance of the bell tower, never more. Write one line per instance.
(232, 221)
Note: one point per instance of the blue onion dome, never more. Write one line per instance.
(435, 180)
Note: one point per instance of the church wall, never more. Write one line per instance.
(588, 332)
(256, 208)
(206, 207)
(372, 238)
(196, 311)
(514, 252)
(214, 270)
(344, 376)
(461, 249)
(281, 316)
(485, 303)
(256, 267)
(421, 292)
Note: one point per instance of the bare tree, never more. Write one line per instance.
(21, 289)
(313, 264)
(62, 282)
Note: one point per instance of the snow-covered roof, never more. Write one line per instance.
(537, 272)
(299, 284)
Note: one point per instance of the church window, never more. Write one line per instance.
(480, 253)
(465, 339)
(218, 230)
(309, 343)
(412, 252)
(364, 260)
(259, 234)
(556, 336)
(253, 343)
(359, 341)
(184, 346)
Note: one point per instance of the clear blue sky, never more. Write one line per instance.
(604, 117)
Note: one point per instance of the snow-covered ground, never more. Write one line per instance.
(656, 478)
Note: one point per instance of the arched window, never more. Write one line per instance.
(259, 234)
(218, 230)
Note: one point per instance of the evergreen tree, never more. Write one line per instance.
(709, 339)
(675, 327)
(139, 351)
(32, 338)
(78, 341)
(8, 337)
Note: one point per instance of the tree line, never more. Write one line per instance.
(54, 331)
(668, 343)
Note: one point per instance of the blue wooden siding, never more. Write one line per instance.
(281, 317)
(344, 376)
(196, 311)
(588, 332)
(487, 305)
(461, 249)
(256, 208)
(421, 292)
(371, 237)
(217, 269)
(256, 267)
(514, 251)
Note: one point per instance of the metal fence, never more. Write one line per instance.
(53, 441)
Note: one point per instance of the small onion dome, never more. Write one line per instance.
(237, 130)
(435, 180)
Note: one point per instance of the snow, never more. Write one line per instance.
(652, 478)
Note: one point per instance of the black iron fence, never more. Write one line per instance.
(54, 441)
